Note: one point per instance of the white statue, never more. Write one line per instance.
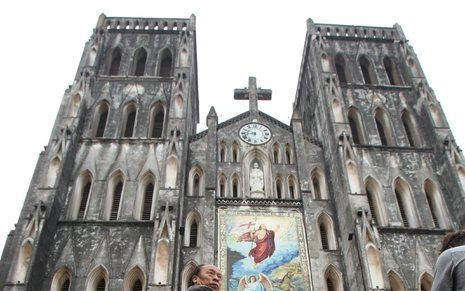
(256, 179)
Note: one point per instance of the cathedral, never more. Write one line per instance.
(355, 193)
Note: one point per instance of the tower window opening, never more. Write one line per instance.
(84, 199)
(130, 122)
(115, 62)
(157, 128)
(403, 215)
(140, 61)
(116, 201)
(148, 198)
(101, 286)
(193, 234)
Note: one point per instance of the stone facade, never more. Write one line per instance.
(127, 195)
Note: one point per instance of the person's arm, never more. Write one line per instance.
(443, 270)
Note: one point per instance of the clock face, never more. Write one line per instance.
(255, 133)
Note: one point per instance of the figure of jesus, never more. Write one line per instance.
(256, 179)
(264, 243)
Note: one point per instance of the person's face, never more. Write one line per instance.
(210, 276)
(252, 279)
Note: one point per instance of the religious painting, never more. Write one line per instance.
(263, 251)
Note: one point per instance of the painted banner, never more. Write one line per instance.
(263, 251)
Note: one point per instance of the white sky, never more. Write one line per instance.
(42, 41)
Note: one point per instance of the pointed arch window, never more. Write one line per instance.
(396, 282)
(410, 129)
(193, 234)
(140, 58)
(436, 205)
(98, 280)
(158, 118)
(222, 186)
(84, 199)
(318, 184)
(116, 200)
(292, 188)
(405, 203)
(196, 185)
(192, 230)
(82, 191)
(383, 127)
(333, 279)
(235, 186)
(356, 126)
(162, 256)
(367, 70)
(222, 152)
(374, 267)
(341, 69)
(279, 188)
(23, 261)
(115, 61)
(195, 182)
(327, 235)
(373, 191)
(426, 282)
(391, 71)
(276, 153)
(61, 280)
(100, 120)
(166, 63)
(235, 152)
(148, 198)
(288, 154)
(129, 118)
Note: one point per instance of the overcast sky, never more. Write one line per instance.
(42, 42)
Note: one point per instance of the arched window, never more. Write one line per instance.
(383, 127)
(276, 153)
(171, 173)
(129, 120)
(115, 191)
(196, 185)
(235, 186)
(222, 152)
(374, 197)
(327, 235)
(192, 230)
(134, 280)
(436, 205)
(356, 126)
(166, 63)
(61, 280)
(436, 115)
(81, 196)
(397, 284)
(148, 198)
(291, 188)
(279, 188)
(23, 262)
(337, 110)
(196, 182)
(367, 70)
(158, 118)
(53, 169)
(374, 267)
(341, 69)
(140, 58)
(289, 157)
(235, 152)
(100, 120)
(318, 183)
(97, 279)
(333, 279)
(184, 58)
(187, 274)
(405, 203)
(115, 60)
(162, 256)
(391, 71)
(325, 63)
(178, 106)
(222, 186)
(410, 129)
(426, 282)
(75, 104)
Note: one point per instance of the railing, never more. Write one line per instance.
(348, 31)
(164, 24)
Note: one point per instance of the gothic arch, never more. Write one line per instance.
(395, 281)
(146, 192)
(410, 128)
(276, 153)
(97, 278)
(405, 203)
(184, 57)
(436, 115)
(356, 125)
(75, 102)
(353, 177)
(178, 106)
(61, 280)
(436, 204)
(325, 63)
(341, 69)
(425, 282)
(383, 126)
(260, 156)
(279, 188)
(134, 280)
(114, 61)
(374, 266)
(187, 273)
(236, 152)
(235, 185)
(82, 192)
(139, 61)
(171, 172)
(196, 182)
(192, 231)
(100, 119)
(318, 184)
(391, 71)
(91, 57)
(366, 67)
(289, 154)
(114, 195)
(23, 261)
(222, 186)
(222, 152)
(165, 65)
(157, 120)
(292, 188)
(333, 278)
(162, 256)
(52, 173)
(375, 201)
(129, 119)
(325, 228)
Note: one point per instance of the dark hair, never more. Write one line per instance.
(195, 272)
(453, 239)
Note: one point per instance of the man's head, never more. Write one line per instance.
(208, 275)
(453, 239)
(262, 226)
(252, 279)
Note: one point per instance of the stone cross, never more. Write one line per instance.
(252, 94)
